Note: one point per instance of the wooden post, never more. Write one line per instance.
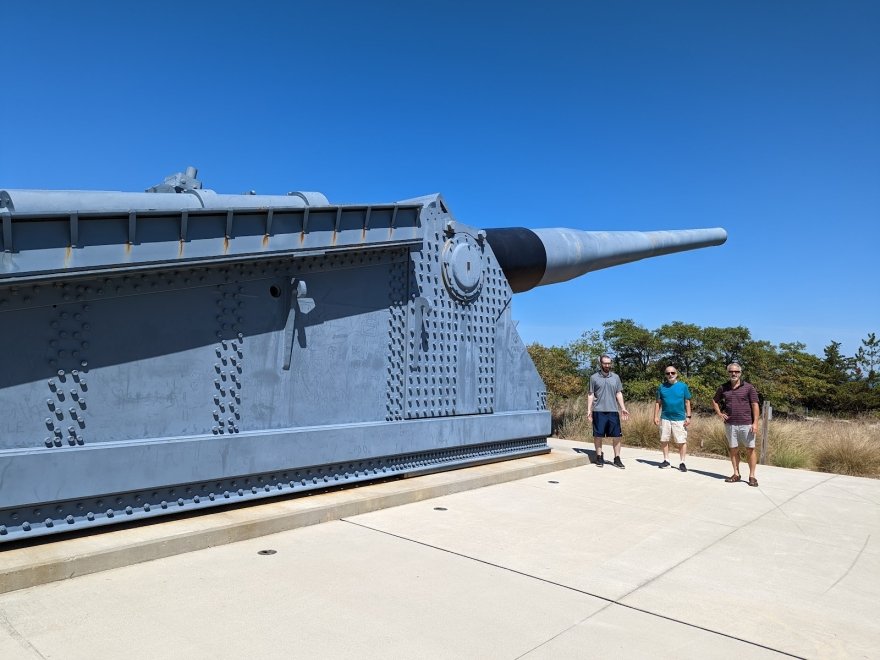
(766, 416)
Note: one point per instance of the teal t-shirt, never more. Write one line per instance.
(672, 398)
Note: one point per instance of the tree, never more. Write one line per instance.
(559, 371)
(682, 345)
(721, 346)
(837, 367)
(854, 397)
(635, 348)
(801, 377)
(868, 358)
(786, 375)
(587, 350)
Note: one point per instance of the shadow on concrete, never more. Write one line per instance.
(591, 453)
(647, 462)
(713, 475)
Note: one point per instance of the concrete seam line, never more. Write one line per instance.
(610, 601)
(561, 632)
(848, 570)
(719, 540)
(849, 492)
(6, 624)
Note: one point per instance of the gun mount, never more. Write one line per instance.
(179, 349)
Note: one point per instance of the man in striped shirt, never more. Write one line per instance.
(736, 402)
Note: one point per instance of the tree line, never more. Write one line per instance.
(785, 374)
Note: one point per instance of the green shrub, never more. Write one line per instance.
(701, 394)
(640, 391)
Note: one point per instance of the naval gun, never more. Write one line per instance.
(179, 349)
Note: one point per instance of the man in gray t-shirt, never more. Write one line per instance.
(604, 408)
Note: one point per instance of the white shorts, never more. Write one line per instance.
(675, 429)
(739, 435)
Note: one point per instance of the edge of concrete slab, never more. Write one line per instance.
(49, 560)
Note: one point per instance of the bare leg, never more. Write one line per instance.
(683, 451)
(616, 444)
(753, 460)
(665, 447)
(597, 443)
(734, 458)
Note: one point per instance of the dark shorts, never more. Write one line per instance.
(606, 425)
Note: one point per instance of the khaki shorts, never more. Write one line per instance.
(741, 435)
(675, 429)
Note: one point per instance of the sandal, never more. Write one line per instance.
(753, 481)
(732, 479)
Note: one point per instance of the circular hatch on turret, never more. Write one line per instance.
(463, 264)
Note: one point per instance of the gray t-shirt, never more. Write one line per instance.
(605, 389)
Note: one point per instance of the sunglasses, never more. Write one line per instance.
(670, 373)
(734, 372)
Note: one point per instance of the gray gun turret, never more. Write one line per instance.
(178, 349)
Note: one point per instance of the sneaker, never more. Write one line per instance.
(619, 463)
(683, 467)
(664, 464)
(600, 460)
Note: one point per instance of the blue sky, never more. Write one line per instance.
(759, 117)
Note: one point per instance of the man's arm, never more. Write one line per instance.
(657, 412)
(756, 415)
(717, 407)
(687, 412)
(624, 413)
(590, 398)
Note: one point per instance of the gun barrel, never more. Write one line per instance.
(531, 258)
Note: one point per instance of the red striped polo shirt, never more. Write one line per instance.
(737, 403)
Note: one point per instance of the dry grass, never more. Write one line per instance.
(852, 448)
(839, 446)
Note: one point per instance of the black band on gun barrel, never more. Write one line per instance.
(520, 254)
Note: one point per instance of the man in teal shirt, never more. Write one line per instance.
(672, 413)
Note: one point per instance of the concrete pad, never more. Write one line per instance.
(604, 530)
(796, 518)
(803, 577)
(58, 558)
(616, 632)
(860, 489)
(333, 590)
(792, 566)
(778, 594)
(13, 645)
(579, 563)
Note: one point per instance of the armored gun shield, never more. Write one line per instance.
(177, 349)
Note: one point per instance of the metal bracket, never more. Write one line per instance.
(300, 306)
(7, 229)
(421, 306)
